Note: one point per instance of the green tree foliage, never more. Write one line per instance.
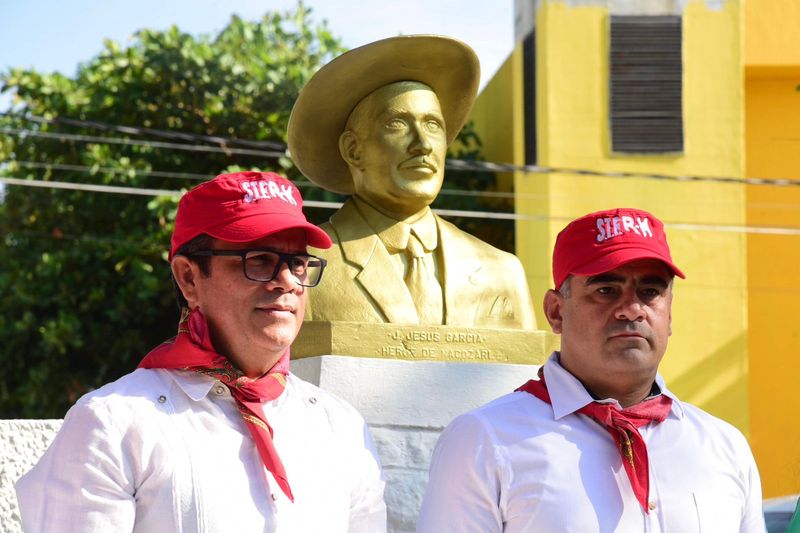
(84, 284)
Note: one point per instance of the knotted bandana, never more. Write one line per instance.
(623, 426)
(191, 349)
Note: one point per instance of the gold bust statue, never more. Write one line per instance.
(375, 123)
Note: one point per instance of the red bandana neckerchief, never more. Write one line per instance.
(191, 349)
(623, 426)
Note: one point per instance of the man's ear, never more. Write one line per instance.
(348, 148)
(553, 300)
(186, 273)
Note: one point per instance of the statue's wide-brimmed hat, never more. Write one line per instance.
(446, 65)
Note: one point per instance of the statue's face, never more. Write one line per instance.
(400, 147)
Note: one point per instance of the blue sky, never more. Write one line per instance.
(53, 35)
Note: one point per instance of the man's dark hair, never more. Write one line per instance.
(201, 242)
(565, 289)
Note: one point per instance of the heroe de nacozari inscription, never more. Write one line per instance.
(375, 123)
(450, 345)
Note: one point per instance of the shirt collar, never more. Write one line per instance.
(197, 385)
(393, 233)
(567, 394)
(194, 384)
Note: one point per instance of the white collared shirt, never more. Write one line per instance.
(167, 451)
(519, 465)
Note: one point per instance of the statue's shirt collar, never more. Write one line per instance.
(394, 234)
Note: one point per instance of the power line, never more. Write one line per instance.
(135, 142)
(457, 165)
(135, 130)
(307, 184)
(731, 228)
(110, 170)
(164, 192)
(89, 187)
(193, 176)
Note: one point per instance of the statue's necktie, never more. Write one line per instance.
(422, 284)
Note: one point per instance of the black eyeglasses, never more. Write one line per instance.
(264, 264)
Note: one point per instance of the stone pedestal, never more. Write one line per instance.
(410, 381)
(22, 442)
(407, 404)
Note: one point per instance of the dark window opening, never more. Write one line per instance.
(646, 78)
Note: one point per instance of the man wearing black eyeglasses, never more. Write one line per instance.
(212, 432)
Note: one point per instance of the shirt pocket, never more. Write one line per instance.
(717, 512)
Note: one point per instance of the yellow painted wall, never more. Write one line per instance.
(497, 118)
(772, 32)
(772, 142)
(773, 133)
(707, 361)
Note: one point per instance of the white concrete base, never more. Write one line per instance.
(407, 404)
(22, 442)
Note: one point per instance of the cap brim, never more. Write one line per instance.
(620, 257)
(261, 225)
(446, 65)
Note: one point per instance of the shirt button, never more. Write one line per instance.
(312, 400)
(162, 399)
(652, 506)
(219, 390)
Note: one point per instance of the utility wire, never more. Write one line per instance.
(305, 184)
(89, 187)
(302, 184)
(136, 142)
(110, 170)
(457, 165)
(135, 130)
(203, 177)
(731, 228)
(279, 150)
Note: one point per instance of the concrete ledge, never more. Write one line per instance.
(22, 442)
(424, 343)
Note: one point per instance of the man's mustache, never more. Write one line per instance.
(631, 328)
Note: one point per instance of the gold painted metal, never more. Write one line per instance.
(376, 122)
(424, 343)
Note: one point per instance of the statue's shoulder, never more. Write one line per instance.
(345, 219)
(347, 229)
(456, 237)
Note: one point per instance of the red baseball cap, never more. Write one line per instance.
(602, 241)
(243, 207)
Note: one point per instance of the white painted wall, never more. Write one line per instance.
(21, 444)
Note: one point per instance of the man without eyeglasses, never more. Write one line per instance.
(597, 443)
(212, 432)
